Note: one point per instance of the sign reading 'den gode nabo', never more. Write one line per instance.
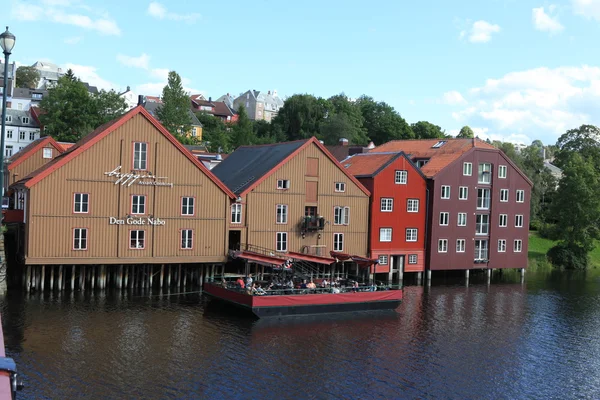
(128, 179)
(136, 221)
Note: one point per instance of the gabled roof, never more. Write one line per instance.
(222, 109)
(31, 149)
(439, 156)
(248, 166)
(103, 131)
(368, 165)
(152, 108)
(18, 116)
(341, 152)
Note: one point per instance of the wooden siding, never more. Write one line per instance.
(51, 219)
(260, 206)
(31, 163)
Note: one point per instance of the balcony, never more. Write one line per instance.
(12, 216)
(312, 223)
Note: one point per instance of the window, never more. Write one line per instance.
(401, 177)
(518, 245)
(137, 239)
(340, 187)
(32, 136)
(483, 199)
(81, 203)
(445, 192)
(341, 215)
(520, 196)
(462, 219)
(467, 169)
(501, 245)
(422, 163)
(412, 258)
(502, 171)
(485, 173)
(481, 250)
(282, 214)
(80, 236)
(439, 144)
(140, 155)
(25, 120)
(412, 205)
(338, 241)
(411, 234)
(8, 151)
(482, 224)
(187, 239)
(518, 221)
(187, 206)
(138, 204)
(22, 135)
(283, 184)
(383, 260)
(385, 234)
(194, 132)
(9, 118)
(281, 239)
(503, 195)
(463, 193)
(20, 106)
(47, 153)
(442, 245)
(460, 245)
(236, 213)
(503, 221)
(9, 134)
(36, 96)
(387, 205)
(444, 217)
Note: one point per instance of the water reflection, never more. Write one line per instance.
(504, 340)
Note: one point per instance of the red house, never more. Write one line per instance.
(397, 212)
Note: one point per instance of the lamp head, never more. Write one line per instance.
(7, 41)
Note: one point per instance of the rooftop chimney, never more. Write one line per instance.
(343, 141)
(128, 88)
(142, 100)
(209, 99)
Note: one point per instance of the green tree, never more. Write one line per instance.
(214, 133)
(339, 126)
(382, 122)
(70, 75)
(576, 208)
(427, 130)
(174, 112)
(466, 133)
(301, 116)
(106, 106)
(242, 132)
(584, 140)
(27, 77)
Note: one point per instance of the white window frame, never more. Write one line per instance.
(236, 213)
(32, 136)
(283, 184)
(340, 187)
(80, 243)
(84, 200)
(383, 260)
(135, 235)
(484, 173)
(520, 196)
(281, 214)
(445, 192)
(45, 153)
(281, 242)
(481, 224)
(502, 171)
(21, 135)
(500, 220)
(519, 220)
(442, 245)
(412, 205)
(338, 242)
(187, 239)
(401, 177)
(383, 234)
(518, 246)
(501, 245)
(411, 235)
(413, 259)
(462, 217)
(467, 169)
(463, 192)
(140, 156)
(8, 150)
(188, 204)
(140, 204)
(461, 245)
(25, 120)
(481, 205)
(386, 204)
(478, 254)
(9, 133)
(341, 215)
(503, 195)
(9, 118)
(444, 218)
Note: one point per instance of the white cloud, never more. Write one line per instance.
(480, 32)
(540, 102)
(159, 11)
(138, 62)
(52, 11)
(90, 75)
(587, 8)
(160, 73)
(453, 98)
(484, 134)
(544, 22)
(73, 40)
(155, 89)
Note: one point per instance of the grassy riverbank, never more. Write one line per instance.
(538, 247)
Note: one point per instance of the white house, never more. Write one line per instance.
(131, 99)
(21, 129)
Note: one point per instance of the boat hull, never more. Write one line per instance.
(306, 304)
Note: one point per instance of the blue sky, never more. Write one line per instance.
(514, 70)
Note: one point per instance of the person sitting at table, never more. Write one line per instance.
(249, 280)
(335, 289)
(311, 285)
(355, 286)
(303, 284)
(224, 283)
(240, 283)
(324, 283)
(260, 291)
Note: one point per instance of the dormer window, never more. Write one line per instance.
(47, 153)
(25, 120)
(439, 144)
(421, 163)
(9, 118)
(283, 184)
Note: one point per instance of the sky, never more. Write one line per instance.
(513, 70)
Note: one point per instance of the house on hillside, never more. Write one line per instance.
(21, 129)
(24, 99)
(259, 105)
(344, 149)
(50, 74)
(131, 99)
(478, 211)
(196, 126)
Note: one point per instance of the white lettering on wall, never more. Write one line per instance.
(128, 179)
(137, 221)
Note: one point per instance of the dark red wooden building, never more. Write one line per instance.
(397, 211)
(478, 211)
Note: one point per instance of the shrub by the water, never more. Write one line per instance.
(568, 256)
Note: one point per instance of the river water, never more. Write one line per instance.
(539, 339)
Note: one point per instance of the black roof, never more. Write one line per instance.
(248, 164)
(152, 108)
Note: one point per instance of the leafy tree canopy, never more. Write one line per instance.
(427, 130)
(584, 140)
(466, 133)
(382, 122)
(27, 77)
(174, 112)
(214, 133)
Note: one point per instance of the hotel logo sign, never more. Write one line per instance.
(128, 179)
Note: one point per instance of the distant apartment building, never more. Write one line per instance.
(21, 130)
(50, 74)
(259, 105)
(218, 109)
(24, 99)
(131, 99)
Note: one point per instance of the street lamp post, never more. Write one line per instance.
(7, 42)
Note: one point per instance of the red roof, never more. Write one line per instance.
(105, 130)
(66, 146)
(153, 99)
(439, 157)
(222, 109)
(31, 148)
(367, 164)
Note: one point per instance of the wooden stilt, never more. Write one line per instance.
(185, 278)
(119, 277)
(28, 278)
(52, 277)
(43, 279)
(102, 277)
(38, 280)
(162, 275)
(151, 277)
(126, 281)
(169, 271)
(72, 277)
(60, 277)
(82, 280)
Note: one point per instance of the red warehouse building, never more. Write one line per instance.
(397, 210)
